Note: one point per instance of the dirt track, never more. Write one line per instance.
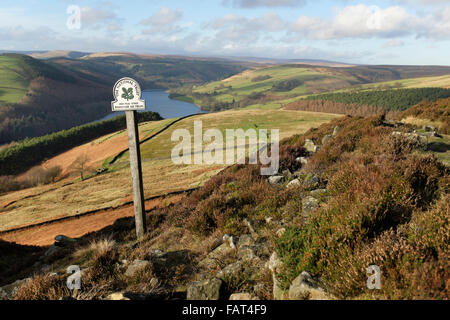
(44, 235)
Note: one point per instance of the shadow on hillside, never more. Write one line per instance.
(438, 146)
(16, 261)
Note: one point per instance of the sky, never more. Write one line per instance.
(352, 31)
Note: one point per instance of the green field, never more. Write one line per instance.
(13, 84)
(275, 86)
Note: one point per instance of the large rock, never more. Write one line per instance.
(310, 146)
(10, 290)
(326, 138)
(305, 287)
(209, 289)
(230, 271)
(276, 179)
(302, 160)
(309, 204)
(274, 264)
(135, 266)
(213, 258)
(336, 131)
(294, 183)
(245, 240)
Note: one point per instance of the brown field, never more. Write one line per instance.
(44, 235)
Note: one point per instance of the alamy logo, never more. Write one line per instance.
(74, 280)
(74, 20)
(374, 280)
(234, 144)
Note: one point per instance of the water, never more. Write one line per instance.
(159, 101)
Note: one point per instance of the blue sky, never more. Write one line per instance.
(369, 32)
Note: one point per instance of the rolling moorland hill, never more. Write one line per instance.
(371, 194)
(36, 96)
(277, 86)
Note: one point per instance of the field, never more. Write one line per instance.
(13, 86)
(276, 86)
(113, 189)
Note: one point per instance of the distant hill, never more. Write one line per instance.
(40, 96)
(58, 53)
(275, 86)
(37, 98)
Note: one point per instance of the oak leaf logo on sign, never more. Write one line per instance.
(127, 94)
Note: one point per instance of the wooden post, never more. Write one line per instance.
(136, 173)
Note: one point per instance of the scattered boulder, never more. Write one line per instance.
(212, 260)
(293, 183)
(135, 266)
(336, 131)
(209, 289)
(276, 179)
(251, 228)
(242, 296)
(274, 264)
(310, 146)
(418, 140)
(230, 240)
(302, 160)
(247, 253)
(429, 128)
(305, 287)
(117, 296)
(326, 138)
(10, 290)
(245, 240)
(230, 271)
(309, 204)
(287, 174)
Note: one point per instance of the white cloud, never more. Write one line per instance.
(164, 21)
(361, 21)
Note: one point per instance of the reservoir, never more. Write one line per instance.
(159, 101)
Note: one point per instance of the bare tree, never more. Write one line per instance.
(80, 165)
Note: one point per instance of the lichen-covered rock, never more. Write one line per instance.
(293, 183)
(336, 131)
(209, 289)
(326, 138)
(276, 179)
(230, 271)
(305, 287)
(309, 204)
(135, 266)
(310, 146)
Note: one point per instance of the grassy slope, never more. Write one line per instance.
(318, 80)
(13, 86)
(113, 188)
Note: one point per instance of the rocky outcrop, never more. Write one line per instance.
(135, 266)
(209, 289)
